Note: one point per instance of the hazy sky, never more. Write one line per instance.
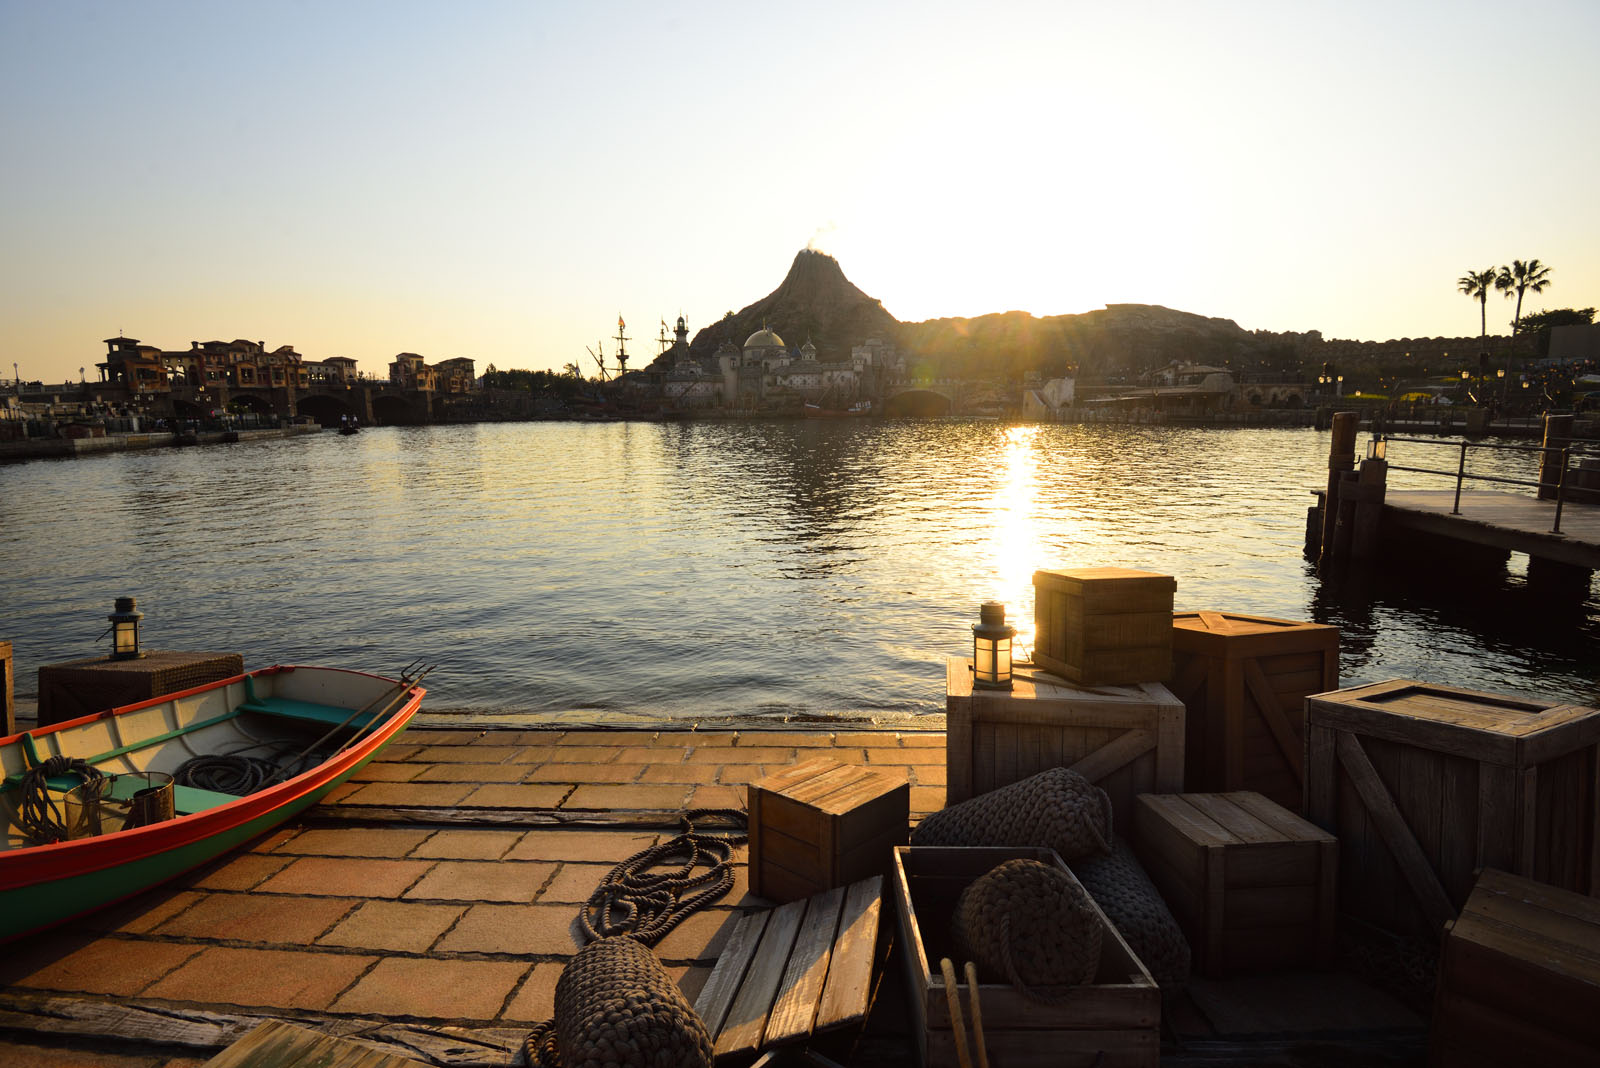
(500, 180)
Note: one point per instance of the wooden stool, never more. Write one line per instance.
(1251, 884)
(1519, 977)
(822, 824)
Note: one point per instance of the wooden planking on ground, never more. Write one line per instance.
(278, 1044)
(747, 1019)
(848, 993)
(794, 1009)
(716, 997)
(794, 971)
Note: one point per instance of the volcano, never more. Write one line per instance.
(815, 301)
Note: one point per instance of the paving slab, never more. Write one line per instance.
(460, 990)
(271, 978)
(396, 926)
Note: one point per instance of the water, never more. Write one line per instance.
(759, 571)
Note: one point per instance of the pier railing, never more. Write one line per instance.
(1555, 465)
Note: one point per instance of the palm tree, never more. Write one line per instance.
(1522, 277)
(1475, 284)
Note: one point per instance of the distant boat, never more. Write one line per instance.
(859, 408)
(349, 428)
(92, 780)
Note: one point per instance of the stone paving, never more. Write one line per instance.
(460, 924)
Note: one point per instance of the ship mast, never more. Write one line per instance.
(622, 347)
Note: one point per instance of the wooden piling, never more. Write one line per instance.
(1557, 435)
(1371, 485)
(8, 697)
(1341, 459)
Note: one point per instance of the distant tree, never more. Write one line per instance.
(1522, 277)
(1543, 320)
(1539, 324)
(1476, 284)
(571, 370)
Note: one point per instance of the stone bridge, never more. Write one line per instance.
(371, 402)
(924, 397)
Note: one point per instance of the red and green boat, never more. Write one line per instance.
(95, 808)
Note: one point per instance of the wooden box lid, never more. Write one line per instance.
(826, 785)
(1561, 928)
(1515, 731)
(1230, 634)
(1107, 587)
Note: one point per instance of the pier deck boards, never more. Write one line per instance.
(1502, 521)
(427, 908)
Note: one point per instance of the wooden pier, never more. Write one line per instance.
(1360, 518)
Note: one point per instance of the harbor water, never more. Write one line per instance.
(754, 572)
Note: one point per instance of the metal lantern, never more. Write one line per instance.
(125, 630)
(991, 648)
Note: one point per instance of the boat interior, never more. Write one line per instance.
(291, 718)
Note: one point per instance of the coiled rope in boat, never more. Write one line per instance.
(615, 1003)
(226, 774)
(38, 813)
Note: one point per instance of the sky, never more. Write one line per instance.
(501, 180)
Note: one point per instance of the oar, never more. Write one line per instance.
(385, 701)
(371, 721)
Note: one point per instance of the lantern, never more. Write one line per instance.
(991, 648)
(125, 630)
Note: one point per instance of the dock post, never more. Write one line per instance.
(1371, 485)
(8, 699)
(1557, 435)
(1341, 459)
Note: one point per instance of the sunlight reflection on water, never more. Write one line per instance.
(697, 570)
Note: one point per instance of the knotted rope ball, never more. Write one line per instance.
(1029, 924)
(1058, 809)
(617, 1006)
(1135, 907)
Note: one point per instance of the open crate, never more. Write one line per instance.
(1113, 1022)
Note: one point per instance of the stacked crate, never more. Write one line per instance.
(1243, 681)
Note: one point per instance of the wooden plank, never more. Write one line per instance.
(794, 1009)
(1108, 758)
(1423, 881)
(278, 1044)
(747, 1018)
(716, 997)
(847, 994)
(1240, 823)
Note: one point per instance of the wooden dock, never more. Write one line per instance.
(1508, 521)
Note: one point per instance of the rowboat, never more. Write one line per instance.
(96, 809)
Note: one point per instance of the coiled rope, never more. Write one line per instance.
(238, 775)
(635, 903)
(38, 813)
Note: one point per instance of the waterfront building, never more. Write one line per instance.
(410, 371)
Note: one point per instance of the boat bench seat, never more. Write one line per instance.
(306, 711)
(185, 799)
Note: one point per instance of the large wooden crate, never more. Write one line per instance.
(1424, 784)
(94, 684)
(1519, 978)
(1243, 681)
(1103, 625)
(1251, 884)
(821, 824)
(1126, 739)
(1110, 1023)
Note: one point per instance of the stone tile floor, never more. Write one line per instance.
(466, 924)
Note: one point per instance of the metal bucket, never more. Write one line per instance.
(119, 802)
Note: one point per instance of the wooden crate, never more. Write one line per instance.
(1425, 784)
(1519, 978)
(94, 684)
(1243, 681)
(1126, 739)
(1112, 1022)
(821, 824)
(1252, 885)
(1103, 625)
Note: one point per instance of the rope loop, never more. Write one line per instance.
(39, 814)
(639, 902)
